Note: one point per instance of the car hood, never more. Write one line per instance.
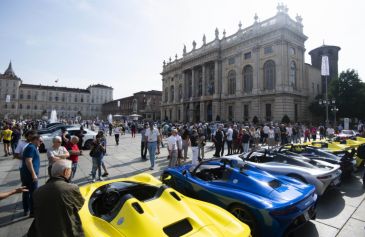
(266, 185)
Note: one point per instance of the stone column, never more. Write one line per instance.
(191, 112)
(203, 81)
(256, 70)
(216, 81)
(202, 111)
(193, 83)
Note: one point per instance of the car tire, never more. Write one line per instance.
(243, 214)
(297, 177)
(87, 145)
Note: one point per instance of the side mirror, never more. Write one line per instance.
(184, 172)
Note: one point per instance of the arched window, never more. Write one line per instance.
(172, 93)
(180, 92)
(166, 94)
(232, 82)
(269, 75)
(293, 75)
(247, 78)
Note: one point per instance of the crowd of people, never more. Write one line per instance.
(180, 140)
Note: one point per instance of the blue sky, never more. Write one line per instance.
(122, 43)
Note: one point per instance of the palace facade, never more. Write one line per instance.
(28, 101)
(144, 103)
(259, 71)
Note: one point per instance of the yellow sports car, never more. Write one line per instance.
(141, 206)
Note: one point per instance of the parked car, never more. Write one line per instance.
(87, 139)
(53, 128)
(319, 173)
(270, 205)
(142, 206)
(346, 162)
(345, 134)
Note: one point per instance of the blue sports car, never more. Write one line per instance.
(270, 205)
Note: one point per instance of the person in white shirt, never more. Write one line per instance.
(152, 137)
(229, 140)
(172, 148)
(266, 132)
(179, 147)
(330, 132)
(56, 152)
(117, 134)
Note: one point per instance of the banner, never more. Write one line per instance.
(7, 100)
(325, 69)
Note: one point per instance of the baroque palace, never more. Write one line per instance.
(27, 101)
(259, 71)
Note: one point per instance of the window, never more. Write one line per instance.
(35, 107)
(247, 55)
(268, 49)
(190, 87)
(5, 106)
(200, 86)
(13, 106)
(247, 78)
(293, 75)
(295, 112)
(291, 51)
(268, 112)
(230, 113)
(231, 61)
(166, 94)
(269, 75)
(232, 82)
(180, 92)
(20, 106)
(172, 93)
(245, 113)
(28, 106)
(317, 89)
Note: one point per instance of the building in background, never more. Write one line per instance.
(144, 103)
(332, 53)
(258, 72)
(29, 101)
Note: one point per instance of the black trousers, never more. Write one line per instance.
(218, 148)
(116, 138)
(143, 149)
(229, 146)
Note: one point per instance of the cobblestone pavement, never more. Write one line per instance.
(341, 212)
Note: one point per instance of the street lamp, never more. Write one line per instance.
(334, 109)
(329, 103)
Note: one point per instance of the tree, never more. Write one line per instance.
(349, 92)
(285, 119)
(255, 120)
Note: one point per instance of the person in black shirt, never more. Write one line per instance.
(218, 139)
(194, 140)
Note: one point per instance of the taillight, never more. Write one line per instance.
(324, 177)
(284, 211)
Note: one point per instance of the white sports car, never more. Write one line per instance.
(319, 173)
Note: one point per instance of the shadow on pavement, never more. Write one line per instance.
(308, 229)
(330, 204)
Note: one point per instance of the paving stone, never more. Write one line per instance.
(360, 212)
(314, 229)
(353, 228)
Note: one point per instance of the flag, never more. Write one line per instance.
(118, 103)
(325, 70)
(56, 80)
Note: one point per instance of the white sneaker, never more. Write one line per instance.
(94, 180)
(100, 179)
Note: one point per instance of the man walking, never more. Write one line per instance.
(229, 140)
(218, 139)
(29, 172)
(74, 151)
(152, 138)
(56, 205)
(6, 137)
(144, 142)
(56, 152)
(172, 148)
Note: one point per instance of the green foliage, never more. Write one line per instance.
(285, 119)
(255, 120)
(317, 109)
(349, 92)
